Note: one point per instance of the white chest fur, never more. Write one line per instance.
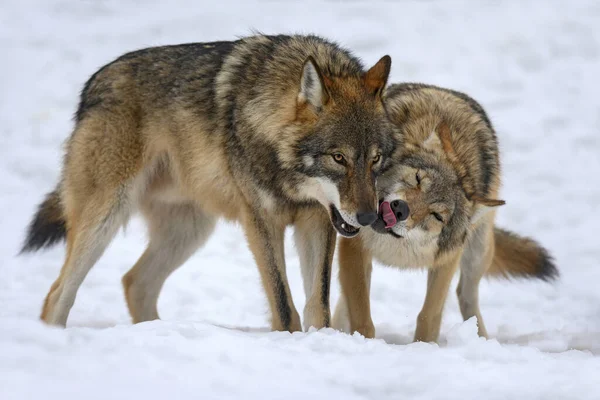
(402, 253)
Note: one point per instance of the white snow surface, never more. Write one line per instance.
(533, 65)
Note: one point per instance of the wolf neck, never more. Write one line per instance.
(273, 64)
(257, 114)
(402, 253)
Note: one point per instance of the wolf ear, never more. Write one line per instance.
(376, 78)
(483, 206)
(312, 87)
(433, 142)
(440, 139)
(446, 138)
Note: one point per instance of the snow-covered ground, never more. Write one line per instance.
(534, 66)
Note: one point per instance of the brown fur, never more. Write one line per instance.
(448, 169)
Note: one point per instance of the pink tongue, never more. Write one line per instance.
(387, 214)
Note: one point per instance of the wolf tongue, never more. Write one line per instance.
(387, 214)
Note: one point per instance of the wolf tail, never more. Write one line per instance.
(517, 256)
(48, 226)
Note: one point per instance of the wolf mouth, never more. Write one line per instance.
(381, 225)
(340, 225)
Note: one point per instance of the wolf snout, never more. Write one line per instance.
(400, 209)
(366, 218)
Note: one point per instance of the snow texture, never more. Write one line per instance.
(533, 65)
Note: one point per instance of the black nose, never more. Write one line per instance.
(366, 218)
(400, 208)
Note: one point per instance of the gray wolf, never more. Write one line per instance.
(268, 131)
(438, 200)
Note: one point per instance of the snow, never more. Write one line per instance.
(533, 65)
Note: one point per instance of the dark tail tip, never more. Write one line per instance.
(48, 226)
(546, 269)
(519, 256)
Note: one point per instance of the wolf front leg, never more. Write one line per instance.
(265, 236)
(315, 241)
(353, 312)
(438, 283)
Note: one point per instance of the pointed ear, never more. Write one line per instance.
(440, 139)
(487, 202)
(376, 78)
(483, 206)
(433, 142)
(446, 138)
(312, 87)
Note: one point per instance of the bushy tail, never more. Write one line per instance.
(518, 256)
(48, 226)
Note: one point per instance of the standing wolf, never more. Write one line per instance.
(259, 131)
(437, 211)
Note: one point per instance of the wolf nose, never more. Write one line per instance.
(400, 208)
(366, 218)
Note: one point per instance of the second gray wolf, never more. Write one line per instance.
(438, 200)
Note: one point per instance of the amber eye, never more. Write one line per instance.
(438, 217)
(377, 159)
(338, 158)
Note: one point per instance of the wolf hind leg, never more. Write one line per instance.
(89, 233)
(176, 232)
(475, 261)
(97, 193)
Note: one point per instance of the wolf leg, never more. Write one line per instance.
(354, 306)
(430, 317)
(89, 232)
(341, 316)
(315, 241)
(476, 259)
(176, 232)
(265, 236)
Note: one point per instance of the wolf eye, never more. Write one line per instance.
(338, 158)
(377, 158)
(418, 178)
(438, 217)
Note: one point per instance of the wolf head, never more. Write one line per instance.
(428, 196)
(348, 143)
